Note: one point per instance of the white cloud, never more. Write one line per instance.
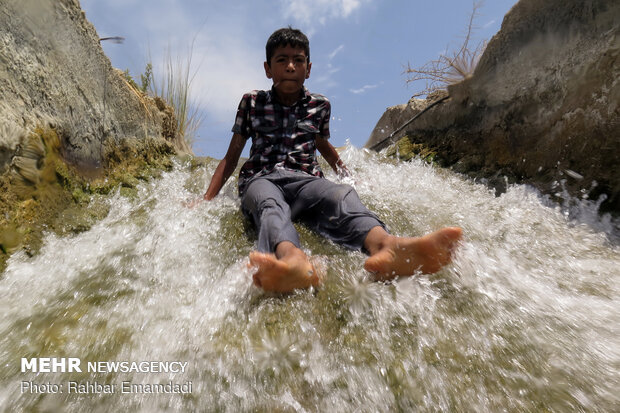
(335, 52)
(363, 89)
(229, 67)
(488, 24)
(309, 13)
(227, 57)
(228, 51)
(326, 80)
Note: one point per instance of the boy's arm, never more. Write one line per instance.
(331, 156)
(226, 166)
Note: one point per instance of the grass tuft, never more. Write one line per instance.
(174, 86)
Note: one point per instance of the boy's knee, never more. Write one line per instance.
(257, 199)
(271, 205)
(267, 203)
(337, 193)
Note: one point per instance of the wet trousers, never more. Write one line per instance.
(333, 210)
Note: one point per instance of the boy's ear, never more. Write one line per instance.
(267, 70)
(308, 70)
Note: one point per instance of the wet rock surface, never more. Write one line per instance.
(72, 127)
(54, 72)
(542, 106)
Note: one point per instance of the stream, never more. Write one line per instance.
(526, 318)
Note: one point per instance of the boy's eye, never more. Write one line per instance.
(297, 60)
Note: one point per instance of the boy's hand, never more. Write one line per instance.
(192, 203)
(226, 166)
(342, 170)
(331, 156)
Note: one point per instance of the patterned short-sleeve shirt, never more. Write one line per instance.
(282, 136)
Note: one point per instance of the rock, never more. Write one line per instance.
(393, 118)
(54, 72)
(543, 104)
(71, 126)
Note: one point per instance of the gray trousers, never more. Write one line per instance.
(333, 210)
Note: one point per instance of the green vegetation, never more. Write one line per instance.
(173, 86)
(130, 80)
(42, 193)
(145, 79)
(406, 150)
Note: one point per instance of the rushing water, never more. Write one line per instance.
(527, 318)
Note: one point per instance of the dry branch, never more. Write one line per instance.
(450, 67)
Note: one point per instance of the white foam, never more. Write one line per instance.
(528, 313)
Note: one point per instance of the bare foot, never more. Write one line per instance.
(405, 256)
(286, 274)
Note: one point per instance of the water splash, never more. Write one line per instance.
(526, 318)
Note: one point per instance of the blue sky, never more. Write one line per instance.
(359, 50)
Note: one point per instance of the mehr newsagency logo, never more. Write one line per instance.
(75, 365)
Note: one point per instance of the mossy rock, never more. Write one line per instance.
(405, 150)
(42, 192)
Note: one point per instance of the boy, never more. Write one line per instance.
(282, 181)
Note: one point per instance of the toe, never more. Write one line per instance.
(261, 259)
(379, 262)
(452, 234)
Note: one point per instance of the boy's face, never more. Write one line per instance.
(289, 68)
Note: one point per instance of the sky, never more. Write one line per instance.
(359, 50)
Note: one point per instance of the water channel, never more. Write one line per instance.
(526, 318)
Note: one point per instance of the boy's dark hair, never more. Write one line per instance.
(287, 36)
